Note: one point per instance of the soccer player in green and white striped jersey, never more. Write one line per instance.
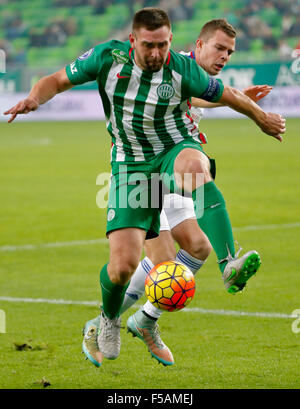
(214, 47)
(144, 89)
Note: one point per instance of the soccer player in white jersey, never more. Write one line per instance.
(145, 88)
(214, 47)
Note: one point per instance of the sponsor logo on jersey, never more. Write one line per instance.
(86, 55)
(119, 56)
(165, 90)
(122, 76)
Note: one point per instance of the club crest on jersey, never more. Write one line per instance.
(119, 56)
(111, 215)
(165, 90)
(86, 54)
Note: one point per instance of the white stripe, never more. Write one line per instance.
(241, 313)
(267, 226)
(47, 301)
(52, 245)
(128, 107)
(187, 309)
(150, 107)
(175, 100)
(105, 241)
(111, 82)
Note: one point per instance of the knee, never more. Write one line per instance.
(199, 168)
(161, 248)
(120, 271)
(198, 247)
(196, 173)
(196, 166)
(202, 249)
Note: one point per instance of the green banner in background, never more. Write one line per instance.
(10, 81)
(241, 76)
(238, 76)
(275, 74)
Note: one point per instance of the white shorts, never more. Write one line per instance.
(175, 210)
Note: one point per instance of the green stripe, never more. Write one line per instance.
(180, 124)
(113, 139)
(138, 115)
(118, 103)
(101, 85)
(102, 79)
(159, 115)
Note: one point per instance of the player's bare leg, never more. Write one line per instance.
(193, 242)
(161, 248)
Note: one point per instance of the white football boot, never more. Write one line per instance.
(239, 269)
(109, 340)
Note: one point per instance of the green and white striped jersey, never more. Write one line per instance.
(145, 111)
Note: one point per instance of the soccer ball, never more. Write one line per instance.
(170, 286)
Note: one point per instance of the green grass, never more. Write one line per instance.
(48, 194)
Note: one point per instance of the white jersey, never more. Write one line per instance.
(176, 208)
(196, 113)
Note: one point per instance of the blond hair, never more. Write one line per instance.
(217, 24)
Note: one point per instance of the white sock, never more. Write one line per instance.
(151, 310)
(191, 262)
(136, 287)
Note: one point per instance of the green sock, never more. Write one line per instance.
(213, 219)
(112, 294)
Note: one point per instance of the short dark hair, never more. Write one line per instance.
(217, 24)
(150, 18)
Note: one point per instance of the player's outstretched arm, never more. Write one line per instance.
(45, 89)
(255, 92)
(270, 123)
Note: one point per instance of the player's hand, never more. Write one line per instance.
(257, 92)
(274, 125)
(23, 107)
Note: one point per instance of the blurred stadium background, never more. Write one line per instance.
(38, 37)
(52, 234)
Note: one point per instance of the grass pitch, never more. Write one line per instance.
(48, 195)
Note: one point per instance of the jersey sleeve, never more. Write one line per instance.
(87, 67)
(204, 86)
